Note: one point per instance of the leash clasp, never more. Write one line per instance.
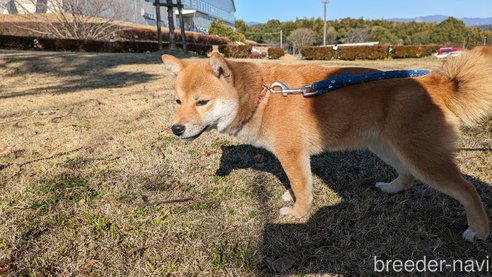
(279, 87)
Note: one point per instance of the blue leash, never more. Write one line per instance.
(337, 82)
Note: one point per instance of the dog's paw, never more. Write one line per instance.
(469, 235)
(389, 187)
(295, 211)
(287, 196)
(285, 210)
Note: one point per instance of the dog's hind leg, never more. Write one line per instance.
(296, 165)
(439, 171)
(404, 181)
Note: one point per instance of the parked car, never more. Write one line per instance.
(449, 51)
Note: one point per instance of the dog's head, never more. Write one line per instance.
(205, 94)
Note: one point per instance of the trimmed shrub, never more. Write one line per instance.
(275, 53)
(318, 53)
(413, 51)
(200, 49)
(91, 45)
(16, 42)
(351, 53)
(139, 34)
(236, 51)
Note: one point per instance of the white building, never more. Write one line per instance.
(198, 14)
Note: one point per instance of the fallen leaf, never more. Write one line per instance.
(5, 151)
(90, 263)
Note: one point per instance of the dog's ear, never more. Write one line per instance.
(173, 64)
(219, 66)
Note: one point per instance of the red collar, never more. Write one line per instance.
(263, 92)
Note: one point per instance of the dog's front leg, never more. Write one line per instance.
(298, 169)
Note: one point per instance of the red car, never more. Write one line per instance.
(449, 51)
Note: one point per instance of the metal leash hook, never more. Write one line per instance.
(279, 87)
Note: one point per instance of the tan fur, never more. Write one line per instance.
(471, 76)
(410, 123)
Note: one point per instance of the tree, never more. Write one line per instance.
(420, 38)
(357, 35)
(451, 32)
(475, 37)
(331, 35)
(219, 28)
(301, 37)
(241, 26)
(80, 19)
(383, 35)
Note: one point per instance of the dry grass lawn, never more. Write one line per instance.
(95, 184)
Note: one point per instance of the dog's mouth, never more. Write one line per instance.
(197, 135)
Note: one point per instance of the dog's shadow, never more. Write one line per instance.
(366, 224)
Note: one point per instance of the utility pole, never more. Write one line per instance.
(281, 39)
(325, 2)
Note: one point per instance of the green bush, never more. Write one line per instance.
(236, 51)
(318, 53)
(275, 53)
(351, 53)
(413, 51)
(219, 28)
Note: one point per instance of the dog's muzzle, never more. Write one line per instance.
(179, 130)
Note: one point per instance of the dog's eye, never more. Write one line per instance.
(202, 102)
(178, 101)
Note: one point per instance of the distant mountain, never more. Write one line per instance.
(439, 18)
(477, 21)
(250, 23)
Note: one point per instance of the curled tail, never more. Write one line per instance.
(470, 98)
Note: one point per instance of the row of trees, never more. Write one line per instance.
(451, 31)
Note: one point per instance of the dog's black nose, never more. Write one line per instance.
(178, 130)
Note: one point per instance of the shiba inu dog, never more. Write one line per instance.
(410, 123)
